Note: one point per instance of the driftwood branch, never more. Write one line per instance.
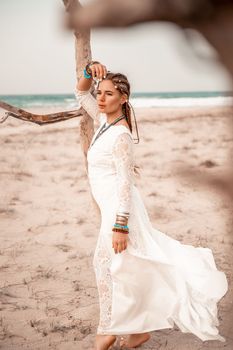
(213, 18)
(40, 119)
(82, 57)
(120, 13)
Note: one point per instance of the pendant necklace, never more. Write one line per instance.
(104, 128)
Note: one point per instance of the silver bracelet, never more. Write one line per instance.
(123, 214)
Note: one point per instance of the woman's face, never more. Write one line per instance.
(109, 99)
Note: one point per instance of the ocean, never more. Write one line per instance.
(163, 99)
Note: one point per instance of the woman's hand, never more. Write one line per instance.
(119, 241)
(98, 70)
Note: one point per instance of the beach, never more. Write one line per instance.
(49, 227)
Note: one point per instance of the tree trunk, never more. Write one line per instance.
(82, 57)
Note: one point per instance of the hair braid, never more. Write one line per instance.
(121, 83)
(127, 112)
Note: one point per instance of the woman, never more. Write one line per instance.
(146, 280)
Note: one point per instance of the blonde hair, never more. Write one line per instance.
(122, 84)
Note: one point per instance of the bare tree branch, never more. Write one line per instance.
(114, 13)
(40, 119)
(213, 18)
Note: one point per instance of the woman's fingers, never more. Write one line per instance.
(99, 71)
(119, 246)
(115, 247)
(103, 72)
(93, 71)
(104, 69)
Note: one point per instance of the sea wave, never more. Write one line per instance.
(182, 102)
(138, 100)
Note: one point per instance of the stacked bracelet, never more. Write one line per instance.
(124, 214)
(120, 228)
(121, 222)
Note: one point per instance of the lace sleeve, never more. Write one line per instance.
(88, 102)
(123, 160)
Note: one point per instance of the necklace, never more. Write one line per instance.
(104, 128)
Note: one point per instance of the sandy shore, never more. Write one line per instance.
(48, 232)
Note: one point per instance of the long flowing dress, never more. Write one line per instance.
(157, 281)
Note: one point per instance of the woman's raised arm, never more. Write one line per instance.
(82, 93)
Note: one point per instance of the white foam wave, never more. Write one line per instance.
(182, 102)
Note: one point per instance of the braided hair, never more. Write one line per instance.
(121, 83)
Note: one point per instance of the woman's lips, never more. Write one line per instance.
(101, 106)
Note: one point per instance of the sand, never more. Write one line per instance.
(49, 227)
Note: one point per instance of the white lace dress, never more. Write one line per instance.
(157, 281)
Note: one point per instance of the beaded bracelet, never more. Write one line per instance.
(121, 226)
(120, 230)
(86, 75)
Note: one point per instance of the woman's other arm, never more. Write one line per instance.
(123, 160)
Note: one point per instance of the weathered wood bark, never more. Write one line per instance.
(40, 119)
(82, 56)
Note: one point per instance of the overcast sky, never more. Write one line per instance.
(37, 55)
